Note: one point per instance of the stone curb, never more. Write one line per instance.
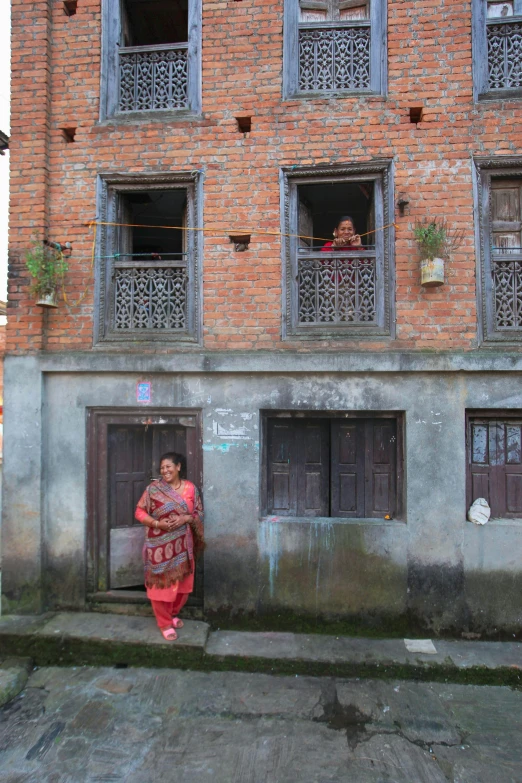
(76, 639)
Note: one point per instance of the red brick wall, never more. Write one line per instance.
(429, 60)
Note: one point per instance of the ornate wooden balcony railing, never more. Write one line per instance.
(153, 77)
(151, 294)
(334, 58)
(507, 289)
(336, 288)
(505, 54)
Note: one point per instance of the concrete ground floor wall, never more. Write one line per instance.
(431, 568)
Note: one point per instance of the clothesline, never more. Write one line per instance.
(228, 231)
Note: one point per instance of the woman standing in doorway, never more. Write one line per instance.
(171, 509)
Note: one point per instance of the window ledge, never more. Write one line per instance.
(325, 95)
(499, 522)
(512, 94)
(373, 521)
(133, 117)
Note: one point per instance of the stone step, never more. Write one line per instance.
(89, 638)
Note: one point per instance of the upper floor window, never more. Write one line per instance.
(337, 251)
(498, 48)
(151, 56)
(149, 261)
(334, 46)
(500, 213)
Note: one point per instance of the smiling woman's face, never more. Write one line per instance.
(170, 471)
(345, 230)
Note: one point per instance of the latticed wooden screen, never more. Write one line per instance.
(153, 77)
(334, 59)
(150, 295)
(335, 289)
(506, 252)
(505, 55)
(334, 45)
(504, 44)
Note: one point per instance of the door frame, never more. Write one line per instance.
(98, 422)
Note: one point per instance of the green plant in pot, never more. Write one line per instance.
(435, 241)
(47, 267)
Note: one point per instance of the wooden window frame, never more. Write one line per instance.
(486, 415)
(98, 422)
(481, 91)
(484, 170)
(111, 40)
(378, 54)
(400, 467)
(110, 188)
(381, 173)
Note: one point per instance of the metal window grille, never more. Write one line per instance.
(153, 77)
(334, 58)
(337, 290)
(504, 55)
(151, 294)
(507, 291)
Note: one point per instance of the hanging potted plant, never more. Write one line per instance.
(435, 241)
(47, 267)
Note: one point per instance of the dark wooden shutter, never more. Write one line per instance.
(381, 467)
(313, 457)
(347, 469)
(479, 467)
(282, 467)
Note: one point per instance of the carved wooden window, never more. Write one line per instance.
(333, 467)
(497, 28)
(494, 447)
(333, 292)
(151, 58)
(334, 46)
(149, 261)
(500, 213)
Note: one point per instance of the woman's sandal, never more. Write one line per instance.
(169, 634)
(177, 623)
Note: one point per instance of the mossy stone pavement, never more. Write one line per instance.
(99, 639)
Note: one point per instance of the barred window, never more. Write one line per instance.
(497, 30)
(337, 251)
(500, 213)
(151, 56)
(149, 261)
(334, 46)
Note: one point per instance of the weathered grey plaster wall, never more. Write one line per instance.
(434, 567)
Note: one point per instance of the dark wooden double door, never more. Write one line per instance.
(128, 451)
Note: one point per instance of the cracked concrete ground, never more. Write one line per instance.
(141, 725)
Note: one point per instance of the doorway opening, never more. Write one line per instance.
(125, 449)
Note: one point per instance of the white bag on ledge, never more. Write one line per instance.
(479, 511)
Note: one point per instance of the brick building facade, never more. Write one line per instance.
(270, 120)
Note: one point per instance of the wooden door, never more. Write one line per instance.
(134, 452)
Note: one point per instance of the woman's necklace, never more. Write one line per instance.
(179, 485)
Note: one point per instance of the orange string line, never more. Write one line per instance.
(230, 231)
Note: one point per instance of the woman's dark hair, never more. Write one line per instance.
(176, 459)
(343, 218)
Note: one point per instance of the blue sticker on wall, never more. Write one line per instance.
(143, 391)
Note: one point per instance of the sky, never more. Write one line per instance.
(5, 46)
